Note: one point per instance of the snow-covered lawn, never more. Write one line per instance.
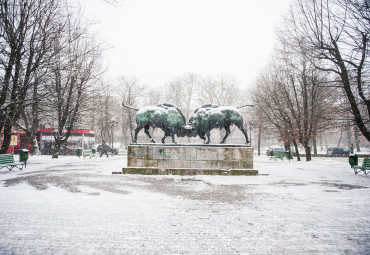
(76, 206)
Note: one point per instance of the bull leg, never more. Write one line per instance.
(227, 128)
(173, 137)
(146, 130)
(209, 137)
(244, 131)
(164, 137)
(202, 136)
(169, 133)
(137, 130)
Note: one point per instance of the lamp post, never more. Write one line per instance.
(112, 124)
(250, 132)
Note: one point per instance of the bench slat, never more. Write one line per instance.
(7, 160)
(365, 167)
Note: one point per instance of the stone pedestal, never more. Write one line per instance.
(189, 159)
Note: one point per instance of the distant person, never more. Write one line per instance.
(351, 148)
(104, 149)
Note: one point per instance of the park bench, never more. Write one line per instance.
(278, 155)
(7, 161)
(281, 155)
(364, 168)
(88, 153)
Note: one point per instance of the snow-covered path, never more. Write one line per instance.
(76, 206)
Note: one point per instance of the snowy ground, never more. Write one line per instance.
(76, 206)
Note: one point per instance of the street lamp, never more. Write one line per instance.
(113, 123)
(250, 132)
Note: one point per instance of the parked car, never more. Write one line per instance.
(337, 151)
(271, 151)
(109, 150)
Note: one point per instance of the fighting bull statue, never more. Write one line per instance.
(210, 116)
(167, 117)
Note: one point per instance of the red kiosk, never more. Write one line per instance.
(79, 138)
(18, 141)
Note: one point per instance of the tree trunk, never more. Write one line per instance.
(35, 146)
(296, 150)
(56, 149)
(349, 135)
(7, 138)
(124, 141)
(340, 138)
(357, 139)
(314, 142)
(259, 140)
(307, 149)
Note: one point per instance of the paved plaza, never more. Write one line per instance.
(76, 206)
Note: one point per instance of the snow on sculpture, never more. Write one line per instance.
(165, 116)
(210, 116)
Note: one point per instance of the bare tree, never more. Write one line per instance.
(72, 74)
(107, 111)
(334, 35)
(181, 92)
(289, 96)
(32, 113)
(220, 90)
(28, 29)
(129, 91)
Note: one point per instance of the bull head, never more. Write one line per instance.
(185, 131)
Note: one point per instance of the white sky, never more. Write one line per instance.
(157, 40)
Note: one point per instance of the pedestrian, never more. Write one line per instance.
(104, 149)
(351, 148)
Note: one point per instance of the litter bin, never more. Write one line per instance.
(79, 152)
(353, 160)
(23, 156)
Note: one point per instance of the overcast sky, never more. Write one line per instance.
(157, 40)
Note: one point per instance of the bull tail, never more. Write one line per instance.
(250, 105)
(130, 107)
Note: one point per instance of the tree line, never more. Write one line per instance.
(51, 73)
(48, 62)
(319, 74)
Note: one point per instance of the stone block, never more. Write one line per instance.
(186, 171)
(150, 163)
(135, 162)
(214, 164)
(236, 154)
(165, 163)
(138, 152)
(174, 153)
(158, 153)
(230, 164)
(199, 164)
(227, 154)
(191, 153)
(213, 154)
(148, 154)
(190, 156)
(182, 164)
(202, 153)
(246, 164)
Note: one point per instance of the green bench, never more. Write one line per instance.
(281, 155)
(88, 153)
(278, 155)
(7, 161)
(364, 168)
